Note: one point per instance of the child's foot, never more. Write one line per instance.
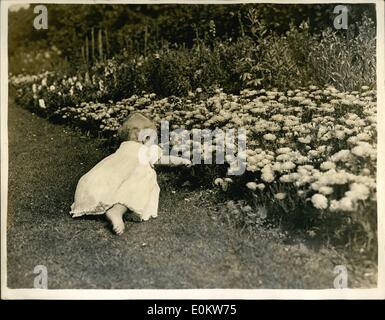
(115, 216)
(116, 222)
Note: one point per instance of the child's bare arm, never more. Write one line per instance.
(173, 161)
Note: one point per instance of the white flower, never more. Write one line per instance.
(363, 136)
(325, 190)
(358, 192)
(363, 149)
(342, 155)
(42, 104)
(346, 204)
(250, 152)
(79, 85)
(267, 174)
(269, 137)
(287, 166)
(280, 196)
(276, 166)
(283, 150)
(251, 185)
(260, 186)
(319, 201)
(305, 140)
(327, 165)
(218, 181)
(285, 178)
(252, 168)
(283, 157)
(339, 134)
(333, 177)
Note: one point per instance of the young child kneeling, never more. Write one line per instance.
(125, 180)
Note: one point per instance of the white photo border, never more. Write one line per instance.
(198, 294)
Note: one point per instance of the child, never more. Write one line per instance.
(124, 180)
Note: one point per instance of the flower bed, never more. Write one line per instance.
(312, 147)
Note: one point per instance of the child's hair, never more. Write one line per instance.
(133, 125)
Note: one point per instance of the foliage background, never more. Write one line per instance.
(230, 46)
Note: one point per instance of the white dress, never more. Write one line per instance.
(125, 177)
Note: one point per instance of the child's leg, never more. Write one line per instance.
(115, 216)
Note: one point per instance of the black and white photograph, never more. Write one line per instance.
(192, 145)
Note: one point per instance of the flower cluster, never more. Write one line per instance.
(314, 145)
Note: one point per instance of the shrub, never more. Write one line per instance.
(169, 72)
(347, 61)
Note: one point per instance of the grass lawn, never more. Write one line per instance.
(187, 246)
